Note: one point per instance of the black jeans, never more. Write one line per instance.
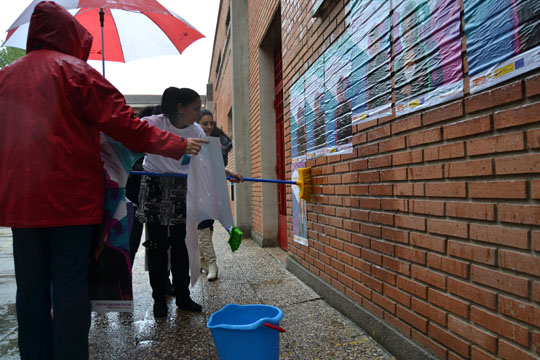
(56, 256)
(160, 238)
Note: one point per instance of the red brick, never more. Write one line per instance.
(452, 266)
(417, 256)
(450, 111)
(472, 293)
(431, 312)
(359, 189)
(454, 189)
(517, 116)
(501, 326)
(372, 257)
(357, 165)
(392, 144)
(508, 351)
(361, 215)
(396, 265)
(428, 276)
(411, 319)
(442, 152)
(410, 123)
(479, 354)
(425, 172)
(395, 235)
(535, 237)
(394, 204)
(496, 144)
(472, 333)
(447, 302)
(429, 242)
(368, 177)
(520, 164)
(394, 174)
(499, 235)
(446, 227)
(498, 190)
(373, 308)
(532, 85)
(533, 139)
(383, 302)
(520, 262)
(482, 167)
(397, 295)
(471, 210)
(380, 190)
(536, 341)
(372, 283)
(397, 324)
(519, 310)
(370, 203)
(425, 137)
(412, 287)
(379, 133)
(498, 96)
(409, 189)
(410, 222)
(521, 214)
(435, 208)
(382, 246)
(467, 127)
(482, 254)
(435, 348)
(382, 218)
(501, 281)
(407, 157)
(535, 189)
(380, 161)
(449, 340)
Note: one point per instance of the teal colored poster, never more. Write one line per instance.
(427, 53)
(314, 113)
(298, 123)
(338, 97)
(503, 40)
(368, 34)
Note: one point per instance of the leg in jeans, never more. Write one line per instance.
(70, 252)
(32, 273)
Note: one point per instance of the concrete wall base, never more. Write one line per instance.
(398, 345)
(263, 242)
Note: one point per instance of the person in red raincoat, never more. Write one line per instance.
(54, 106)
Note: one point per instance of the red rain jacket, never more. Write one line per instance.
(53, 106)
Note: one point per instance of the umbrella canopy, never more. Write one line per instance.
(132, 29)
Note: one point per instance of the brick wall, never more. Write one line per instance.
(433, 222)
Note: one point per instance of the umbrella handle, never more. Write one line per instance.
(102, 21)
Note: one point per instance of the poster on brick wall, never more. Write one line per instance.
(368, 35)
(427, 53)
(337, 98)
(298, 125)
(503, 40)
(300, 234)
(314, 110)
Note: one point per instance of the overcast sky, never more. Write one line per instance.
(152, 76)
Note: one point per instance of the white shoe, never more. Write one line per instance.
(212, 272)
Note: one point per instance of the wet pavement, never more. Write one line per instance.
(252, 275)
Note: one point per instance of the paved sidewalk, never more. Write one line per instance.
(252, 275)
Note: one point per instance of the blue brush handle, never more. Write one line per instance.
(228, 177)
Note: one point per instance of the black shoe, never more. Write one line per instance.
(188, 304)
(160, 309)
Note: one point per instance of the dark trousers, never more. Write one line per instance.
(160, 238)
(56, 256)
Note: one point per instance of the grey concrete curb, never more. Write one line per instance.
(398, 345)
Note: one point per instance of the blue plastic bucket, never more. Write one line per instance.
(240, 333)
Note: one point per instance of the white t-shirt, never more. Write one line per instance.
(161, 164)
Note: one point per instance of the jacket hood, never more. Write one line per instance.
(53, 28)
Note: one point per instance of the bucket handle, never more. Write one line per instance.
(275, 327)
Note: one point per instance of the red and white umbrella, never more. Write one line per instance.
(128, 29)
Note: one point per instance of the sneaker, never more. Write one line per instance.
(160, 309)
(188, 304)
